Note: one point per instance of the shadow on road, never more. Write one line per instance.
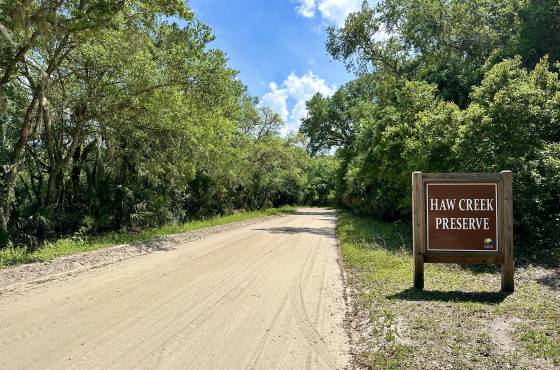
(315, 213)
(325, 231)
(412, 294)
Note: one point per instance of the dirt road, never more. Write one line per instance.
(268, 295)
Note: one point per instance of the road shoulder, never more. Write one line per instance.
(24, 277)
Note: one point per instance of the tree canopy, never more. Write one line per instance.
(447, 86)
(117, 114)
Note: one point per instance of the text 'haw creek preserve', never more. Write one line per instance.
(465, 204)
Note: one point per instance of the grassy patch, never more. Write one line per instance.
(61, 247)
(540, 343)
(459, 321)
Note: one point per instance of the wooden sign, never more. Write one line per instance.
(463, 218)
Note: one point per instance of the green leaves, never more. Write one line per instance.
(452, 86)
(138, 122)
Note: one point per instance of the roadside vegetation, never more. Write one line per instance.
(460, 321)
(118, 116)
(84, 243)
(448, 86)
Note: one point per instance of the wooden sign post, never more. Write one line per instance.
(463, 218)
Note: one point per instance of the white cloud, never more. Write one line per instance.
(332, 11)
(304, 87)
(289, 99)
(306, 8)
(336, 11)
(299, 111)
(277, 100)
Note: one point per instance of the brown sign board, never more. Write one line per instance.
(463, 218)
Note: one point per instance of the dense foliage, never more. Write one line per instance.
(448, 86)
(116, 114)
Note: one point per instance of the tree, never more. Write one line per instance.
(334, 121)
(513, 123)
(59, 28)
(452, 86)
(269, 123)
(540, 32)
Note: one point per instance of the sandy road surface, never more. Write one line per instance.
(268, 295)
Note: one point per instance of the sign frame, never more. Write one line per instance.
(503, 256)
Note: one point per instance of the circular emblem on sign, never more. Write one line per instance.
(488, 243)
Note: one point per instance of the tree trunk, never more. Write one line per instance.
(19, 152)
(40, 90)
(76, 171)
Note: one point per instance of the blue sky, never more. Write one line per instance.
(278, 46)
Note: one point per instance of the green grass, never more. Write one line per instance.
(540, 344)
(452, 323)
(61, 247)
